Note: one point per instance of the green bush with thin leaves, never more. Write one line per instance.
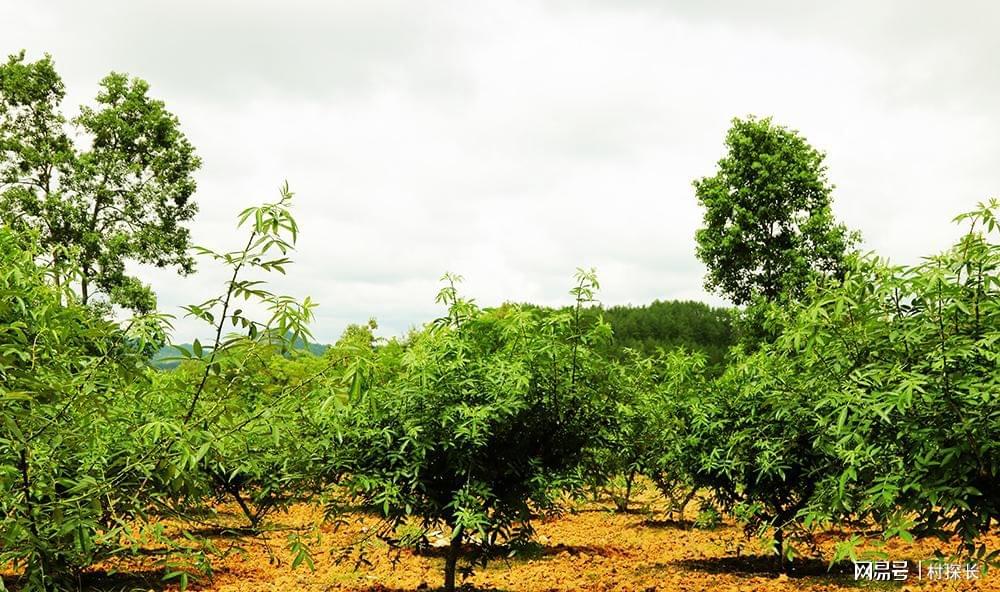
(903, 364)
(72, 473)
(485, 418)
(243, 418)
(647, 432)
(876, 402)
(750, 442)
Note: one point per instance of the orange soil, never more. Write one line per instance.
(592, 550)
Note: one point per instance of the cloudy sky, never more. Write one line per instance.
(512, 142)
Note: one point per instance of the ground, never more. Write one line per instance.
(590, 549)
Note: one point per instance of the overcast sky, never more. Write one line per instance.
(512, 142)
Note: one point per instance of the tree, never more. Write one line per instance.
(768, 227)
(902, 361)
(750, 441)
(876, 403)
(489, 413)
(121, 197)
(225, 417)
(648, 431)
(71, 467)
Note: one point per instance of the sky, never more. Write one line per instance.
(513, 142)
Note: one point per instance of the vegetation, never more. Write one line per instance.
(72, 470)
(669, 325)
(768, 228)
(122, 197)
(870, 404)
(485, 415)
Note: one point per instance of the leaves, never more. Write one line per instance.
(476, 419)
(122, 196)
(70, 459)
(769, 229)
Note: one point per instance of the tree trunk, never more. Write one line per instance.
(779, 544)
(451, 560)
(55, 276)
(687, 500)
(624, 501)
(85, 285)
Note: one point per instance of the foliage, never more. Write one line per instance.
(666, 325)
(876, 402)
(769, 230)
(903, 362)
(647, 431)
(123, 197)
(750, 442)
(488, 413)
(240, 418)
(72, 473)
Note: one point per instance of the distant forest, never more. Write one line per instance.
(662, 324)
(695, 326)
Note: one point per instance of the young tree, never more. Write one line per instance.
(647, 431)
(902, 361)
(769, 230)
(71, 468)
(122, 196)
(489, 413)
(751, 443)
(226, 417)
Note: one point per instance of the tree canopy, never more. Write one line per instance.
(122, 195)
(768, 225)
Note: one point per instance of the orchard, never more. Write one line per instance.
(843, 406)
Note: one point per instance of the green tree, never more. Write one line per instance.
(71, 467)
(875, 403)
(768, 227)
(123, 196)
(226, 417)
(649, 427)
(489, 413)
(750, 441)
(902, 361)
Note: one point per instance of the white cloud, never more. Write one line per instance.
(513, 142)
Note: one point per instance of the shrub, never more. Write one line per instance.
(488, 414)
(72, 473)
(903, 361)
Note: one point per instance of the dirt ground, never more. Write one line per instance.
(592, 549)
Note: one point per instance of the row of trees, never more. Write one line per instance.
(474, 422)
(875, 403)
(672, 324)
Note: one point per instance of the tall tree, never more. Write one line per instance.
(769, 229)
(121, 196)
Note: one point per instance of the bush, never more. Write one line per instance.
(72, 473)
(648, 432)
(903, 361)
(487, 414)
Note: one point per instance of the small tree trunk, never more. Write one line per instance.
(56, 277)
(629, 479)
(779, 544)
(687, 500)
(85, 285)
(451, 560)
